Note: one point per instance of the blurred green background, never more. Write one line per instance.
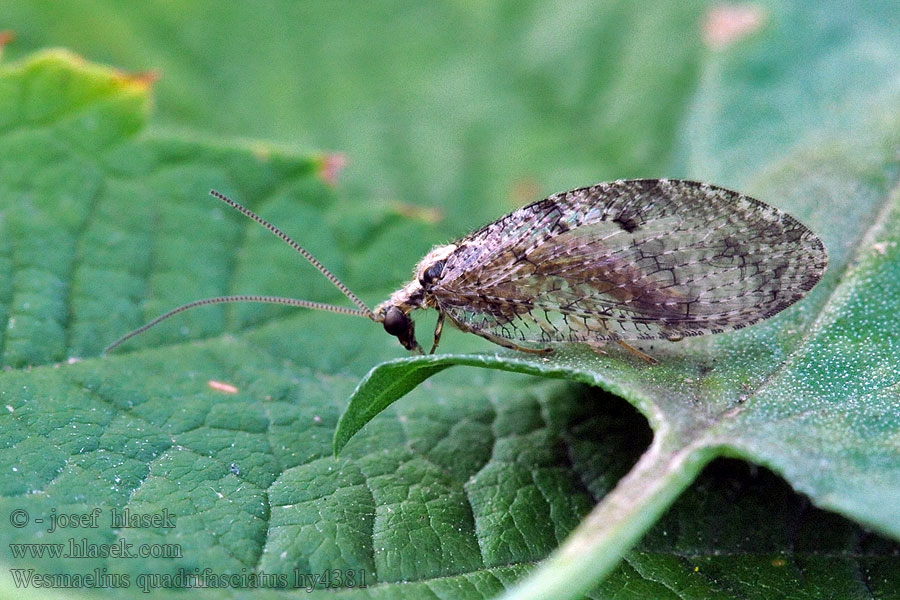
(471, 107)
(477, 108)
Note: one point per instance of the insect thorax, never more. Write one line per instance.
(414, 295)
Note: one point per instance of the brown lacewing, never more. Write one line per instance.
(627, 260)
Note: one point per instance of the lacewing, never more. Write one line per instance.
(626, 260)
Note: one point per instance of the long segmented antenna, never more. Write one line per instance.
(363, 311)
(290, 242)
(243, 298)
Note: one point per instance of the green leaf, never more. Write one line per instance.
(461, 489)
(811, 394)
(381, 387)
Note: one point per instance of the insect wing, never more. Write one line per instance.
(634, 259)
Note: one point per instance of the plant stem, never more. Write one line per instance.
(616, 524)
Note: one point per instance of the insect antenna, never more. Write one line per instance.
(228, 299)
(290, 242)
(362, 311)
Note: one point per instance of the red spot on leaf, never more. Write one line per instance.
(6, 37)
(727, 23)
(330, 167)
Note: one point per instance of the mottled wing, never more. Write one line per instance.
(635, 259)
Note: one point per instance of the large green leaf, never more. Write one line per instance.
(811, 394)
(461, 488)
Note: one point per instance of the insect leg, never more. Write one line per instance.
(508, 344)
(438, 330)
(500, 341)
(597, 348)
(638, 353)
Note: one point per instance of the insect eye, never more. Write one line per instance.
(395, 322)
(432, 273)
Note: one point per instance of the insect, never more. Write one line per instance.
(626, 260)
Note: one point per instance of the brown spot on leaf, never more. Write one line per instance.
(427, 214)
(262, 152)
(143, 80)
(524, 191)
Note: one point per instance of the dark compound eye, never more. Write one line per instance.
(432, 273)
(396, 322)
